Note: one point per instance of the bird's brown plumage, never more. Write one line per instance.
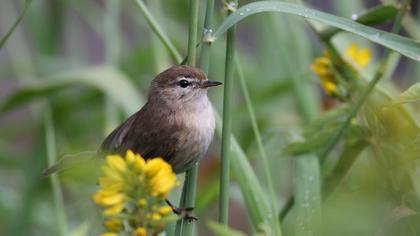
(165, 127)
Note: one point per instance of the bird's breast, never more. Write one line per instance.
(193, 141)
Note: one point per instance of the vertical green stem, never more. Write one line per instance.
(205, 51)
(55, 183)
(190, 182)
(227, 123)
(192, 32)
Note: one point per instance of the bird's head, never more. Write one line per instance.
(181, 86)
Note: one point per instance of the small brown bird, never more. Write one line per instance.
(177, 122)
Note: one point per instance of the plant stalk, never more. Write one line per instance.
(190, 183)
(159, 32)
(227, 124)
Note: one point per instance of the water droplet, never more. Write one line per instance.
(208, 35)
(241, 13)
(376, 36)
(233, 4)
(354, 16)
(248, 10)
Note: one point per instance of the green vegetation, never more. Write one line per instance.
(317, 122)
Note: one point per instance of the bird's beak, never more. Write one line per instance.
(209, 83)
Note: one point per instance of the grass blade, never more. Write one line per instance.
(93, 77)
(307, 194)
(4, 39)
(403, 45)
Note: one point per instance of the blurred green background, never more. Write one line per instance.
(69, 60)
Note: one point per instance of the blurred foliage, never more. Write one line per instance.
(56, 58)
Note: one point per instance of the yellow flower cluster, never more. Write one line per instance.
(357, 56)
(132, 193)
(323, 67)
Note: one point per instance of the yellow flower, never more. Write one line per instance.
(142, 202)
(113, 225)
(113, 210)
(360, 57)
(165, 210)
(329, 87)
(140, 231)
(138, 188)
(156, 216)
(164, 178)
(322, 66)
(107, 198)
(109, 234)
(116, 162)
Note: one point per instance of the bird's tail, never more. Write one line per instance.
(69, 161)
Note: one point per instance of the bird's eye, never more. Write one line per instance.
(183, 83)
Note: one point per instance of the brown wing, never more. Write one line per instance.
(148, 136)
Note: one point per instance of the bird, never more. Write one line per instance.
(176, 123)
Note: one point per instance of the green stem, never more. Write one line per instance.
(205, 48)
(190, 182)
(55, 183)
(227, 125)
(158, 31)
(192, 32)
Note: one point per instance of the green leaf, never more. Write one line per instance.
(412, 94)
(307, 194)
(18, 20)
(351, 151)
(376, 15)
(105, 79)
(222, 230)
(405, 46)
(332, 116)
(320, 131)
(379, 14)
(255, 198)
(81, 230)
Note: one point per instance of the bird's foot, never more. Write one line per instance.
(183, 212)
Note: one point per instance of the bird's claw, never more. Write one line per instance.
(184, 212)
